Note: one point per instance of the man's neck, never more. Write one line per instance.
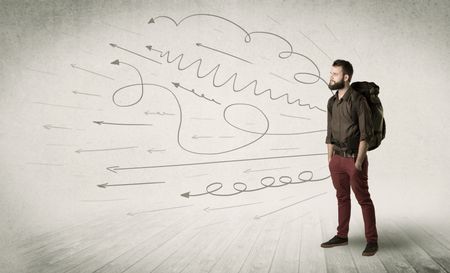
(341, 92)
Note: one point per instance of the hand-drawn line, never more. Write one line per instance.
(285, 207)
(208, 225)
(332, 33)
(321, 50)
(284, 149)
(155, 150)
(299, 217)
(105, 150)
(64, 106)
(152, 49)
(176, 84)
(280, 77)
(226, 136)
(86, 94)
(100, 122)
(117, 62)
(120, 28)
(118, 168)
(208, 209)
(223, 52)
(273, 19)
(289, 116)
(289, 197)
(264, 170)
(44, 164)
(197, 175)
(284, 180)
(254, 83)
(89, 71)
(198, 137)
(181, 118)
(155, 210)
(40, 71)
(158, 113)
(49, 126)
(132, 52)
(105, 185)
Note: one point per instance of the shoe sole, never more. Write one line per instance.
(369, 253)
(333, 245)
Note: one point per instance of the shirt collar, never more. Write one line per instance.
(347, 94)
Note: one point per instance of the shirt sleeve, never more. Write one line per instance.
(329, 107)
(365, 120)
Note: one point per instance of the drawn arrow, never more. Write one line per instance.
(149, 47)
(147, 211)
(116, 168)
(132, 52)
(154, 150)
(176, 84)
(263, 170)
(208, 209)
(198, 137)
(102, 150)
(158, 113)
(89, 71)
(124, 124)
(87, 94)
(223, 52)
(49, 126)
(130, 184)
(285, 207)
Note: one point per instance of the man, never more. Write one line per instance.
(348, 132)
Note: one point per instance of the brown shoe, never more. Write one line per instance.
(335, 241)
(371, 249)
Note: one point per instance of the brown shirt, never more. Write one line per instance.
(345, 129)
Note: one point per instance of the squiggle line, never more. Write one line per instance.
(233, 78)
(181, 117)
(241, 187)
(247, 39)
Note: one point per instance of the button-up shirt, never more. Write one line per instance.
(345, 129)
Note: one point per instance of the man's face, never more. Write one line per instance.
(336, 78)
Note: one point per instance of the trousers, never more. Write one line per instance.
(345, 176)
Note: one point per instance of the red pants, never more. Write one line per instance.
(344, 174)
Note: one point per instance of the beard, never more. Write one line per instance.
(337, 85)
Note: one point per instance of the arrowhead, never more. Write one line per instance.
(78, 151)
(130, 214)
(47, 126)
(152, 21)
(206, 209)
(257, 217)
(149, 47)
(75, 92)
(194, 136)
(116, 62)
(102, 185)
(186, 194)
(98, 122)
(112, 169)
(113, 45)
(176, 84)
(147, 112)
(247, 171)
(72, 65)
(198, 44)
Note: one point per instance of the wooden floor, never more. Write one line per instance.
(224, 241)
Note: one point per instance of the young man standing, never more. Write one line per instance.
(348, 132)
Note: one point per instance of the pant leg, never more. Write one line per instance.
(341, 182)
(360, 187)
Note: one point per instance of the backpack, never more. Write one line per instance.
(370, 91)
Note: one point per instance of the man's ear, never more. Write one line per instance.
(346, 77)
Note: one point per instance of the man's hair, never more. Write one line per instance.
(347, 67)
